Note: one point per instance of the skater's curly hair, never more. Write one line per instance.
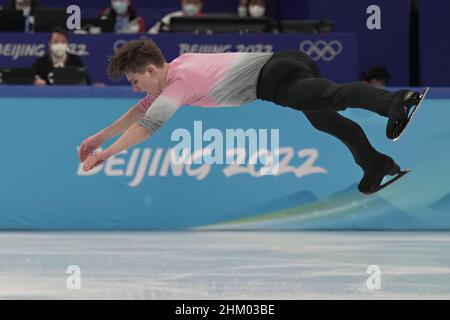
(134, 56)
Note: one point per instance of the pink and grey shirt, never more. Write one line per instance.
(204, 80)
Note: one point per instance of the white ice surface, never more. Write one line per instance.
(225, 265)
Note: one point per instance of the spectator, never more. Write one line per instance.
(257, 9)
(125, 17)
(252, 8)
(57, 57)
(243, 8)
(190, 8)
(27, 7)
(377, 76)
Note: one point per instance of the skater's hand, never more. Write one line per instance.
(93, 160)
(89, 145)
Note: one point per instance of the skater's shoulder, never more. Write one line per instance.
(210, 56)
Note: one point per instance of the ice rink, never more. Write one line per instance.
(225, 265)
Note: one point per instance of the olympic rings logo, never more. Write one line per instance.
(321, 49)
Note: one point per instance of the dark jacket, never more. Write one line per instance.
(44, 65)
(34, 4)
(110, 14)
(12, 5)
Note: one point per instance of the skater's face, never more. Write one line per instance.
(151, 80)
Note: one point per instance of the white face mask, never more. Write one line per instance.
(120, 7)
(257, 11)
(59, 49)
(191, 9)
(242, 11)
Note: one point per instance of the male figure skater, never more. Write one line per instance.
(289, 79)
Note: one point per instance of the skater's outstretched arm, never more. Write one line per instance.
(90, 144)
(134, 135)
(133, 115)
(159, 112)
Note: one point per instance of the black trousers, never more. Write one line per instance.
(292, 79)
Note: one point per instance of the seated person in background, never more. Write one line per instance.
(256, 9)
(57, 57)
(377, 76)
(125, 17)
(243, 8)
(190, 8)
(27, 7)
(252, 8)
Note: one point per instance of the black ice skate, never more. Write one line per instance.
(372, 182)
(402, 112)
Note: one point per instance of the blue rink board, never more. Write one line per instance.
(41, 187)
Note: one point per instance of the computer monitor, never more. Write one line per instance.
(105, 25)
(12, 20)
(45, 19)
(68, 76)
(306, 26)
(219, 24)
(16, 76)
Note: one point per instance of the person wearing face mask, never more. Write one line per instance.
(27, 7)
(252, 8)
(243, 8)
(125, 17)
(256, 9)
(190, 8)
(57, 57)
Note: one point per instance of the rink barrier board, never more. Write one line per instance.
(42, 188)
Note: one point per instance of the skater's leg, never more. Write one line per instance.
(353, 136)
(374, 164)
(319, 94)
(293, 79)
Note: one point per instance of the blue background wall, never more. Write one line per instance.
(435, 42)
(388, 47)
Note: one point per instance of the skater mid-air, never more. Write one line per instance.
(289, 79)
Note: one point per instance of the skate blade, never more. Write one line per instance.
(388, 183)
(416, 108)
